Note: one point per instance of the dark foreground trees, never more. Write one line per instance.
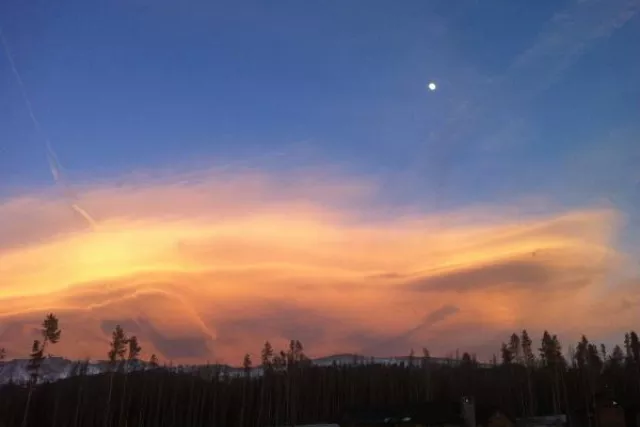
(532, 379)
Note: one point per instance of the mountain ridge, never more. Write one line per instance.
(55, 368)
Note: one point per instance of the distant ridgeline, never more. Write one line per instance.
(55, 368)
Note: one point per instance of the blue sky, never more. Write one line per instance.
(142, 84)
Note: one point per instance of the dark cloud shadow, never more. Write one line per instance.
(16, 330)
(175, 348)
(171, 348)
(440, 314)
(510, 274)
(277, 320)
(405, 341)
(193, 344)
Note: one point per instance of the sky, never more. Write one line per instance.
(211, 175)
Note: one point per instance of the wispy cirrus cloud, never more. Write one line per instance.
(491, 113)
(206, 266)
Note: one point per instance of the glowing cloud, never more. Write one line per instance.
(208, 265)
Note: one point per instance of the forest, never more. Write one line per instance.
(527, 379)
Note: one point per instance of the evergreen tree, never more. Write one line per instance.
(3, 353)
(266, 356)
(298, 352)
(290, 356)
(134, 348)
(581, 353)
(627, 345)
(118, 348)
(527, 352)
(425, 357)
(554, 362)
(514, 348)
(280, 361)
(35, 360)
(551, 351)
(603, 352)
(246, 364)
(589, 367)
(51, 332)
(132, 356)
(153, 361)
(507, 355)
(594, 361)
(116, 353)
(617, 356)
(634, 347)
(467, 360)
(295, 355)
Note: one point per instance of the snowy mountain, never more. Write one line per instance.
(56, 368)
(52, 369)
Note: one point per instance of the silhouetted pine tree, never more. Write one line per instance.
(153, 361)
(266, 355)
(246, 364)
(51, 334)
(116, 354)
(134, 350)
(514, 348)
(529, 361)
(507, 355)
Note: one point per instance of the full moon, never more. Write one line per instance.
(432, 86)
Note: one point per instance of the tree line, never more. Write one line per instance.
(524, 380)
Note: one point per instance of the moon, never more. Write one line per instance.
(432, 86)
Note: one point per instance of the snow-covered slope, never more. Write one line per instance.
(55, 368)
(52, 369)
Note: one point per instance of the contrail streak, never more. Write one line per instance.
(84, 214)
(54, 164)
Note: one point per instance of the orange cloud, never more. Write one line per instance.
(206, 266)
